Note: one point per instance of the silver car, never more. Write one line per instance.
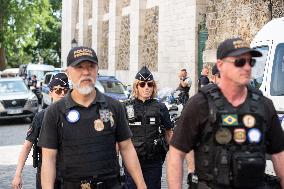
(16, 100)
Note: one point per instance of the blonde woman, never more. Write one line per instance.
(149, 121)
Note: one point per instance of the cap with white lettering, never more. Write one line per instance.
(79, 54)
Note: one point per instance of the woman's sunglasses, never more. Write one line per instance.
(59, 91)
(142, 84)
(240, 62)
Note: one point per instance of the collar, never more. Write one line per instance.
(70, 103)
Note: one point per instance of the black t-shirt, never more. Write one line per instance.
(34, 129)
(195, 116)
(50, 136)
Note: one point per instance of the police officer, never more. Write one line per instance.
(58, 87)
(184, 86)
(230, 127)
(83, 129)
(150, 124)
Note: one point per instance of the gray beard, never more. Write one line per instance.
(84, 90)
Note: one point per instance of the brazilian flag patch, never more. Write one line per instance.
(230, 120)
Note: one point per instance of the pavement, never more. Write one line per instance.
(8, 163)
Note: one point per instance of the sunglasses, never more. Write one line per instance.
(142, 84)
(240, 62)
(59, 91)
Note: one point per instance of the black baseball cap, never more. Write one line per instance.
(144, 74)
(60, 79)
(79, 54)
(235, 47)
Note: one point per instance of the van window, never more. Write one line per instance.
(277, 77)
(258, 69)
(47, 78)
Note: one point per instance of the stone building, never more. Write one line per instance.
(165, 35)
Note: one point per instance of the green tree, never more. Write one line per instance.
(29, 29)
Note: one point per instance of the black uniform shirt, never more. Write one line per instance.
(34, 130)
(195, 116)
(50, 134)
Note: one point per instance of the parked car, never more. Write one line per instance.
(16, 100)
(112, 87)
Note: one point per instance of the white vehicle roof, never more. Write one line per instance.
(11, 70)
(40, 67)
(272, 31)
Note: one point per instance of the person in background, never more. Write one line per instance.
(150, 123)
(184, 86)
(203, 79)
(58, 87)
(215, 78)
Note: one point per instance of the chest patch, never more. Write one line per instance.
(229, 119)
(223, 136)
(73, 116)
(240, 135)
(99, 125)
(104, 115)
(254, 135)
(249, 121)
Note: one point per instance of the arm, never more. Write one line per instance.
(48, 169)
(183, 83)
(131, 162)
(278, 164)
(169, 134)
(26, 148)
(175, 168)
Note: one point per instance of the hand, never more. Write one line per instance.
(17, 182)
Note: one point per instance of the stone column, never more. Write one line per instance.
(83, 22)
(68, 28)
(137, 9)
(114, 26)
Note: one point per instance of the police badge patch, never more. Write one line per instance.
(249, 121)
(239, 136)
(104, 115)
(130, 111)
(223, 136)
(99, 125)
(86, 186)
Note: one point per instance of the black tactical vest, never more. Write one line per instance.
(231, 153)
(145, 125)
(87, 150)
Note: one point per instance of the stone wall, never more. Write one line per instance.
(124, 44)
(103, 55)
(234, 18)
(125, 3)
(244, 18)
(106, 6)
(150, 39)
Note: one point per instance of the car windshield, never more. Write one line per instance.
(277, 76)
(112, 87)
(12, 86)
(258, 69)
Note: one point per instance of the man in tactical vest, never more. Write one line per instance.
(58, 87)
(230, 127)
(184, 86)
(83, 129)
(150, 123)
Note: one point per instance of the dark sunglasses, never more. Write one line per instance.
(142, 84)
(59, 91)
(240, 62)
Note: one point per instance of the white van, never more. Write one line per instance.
(35, 69)
(268, 72)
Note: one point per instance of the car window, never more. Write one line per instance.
(12, 86)
(277, 77)
(258, 69)
(47, 78)
(112, 86)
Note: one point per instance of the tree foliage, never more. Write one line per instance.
(30, 31)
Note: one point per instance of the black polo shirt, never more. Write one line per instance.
(51, 136)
